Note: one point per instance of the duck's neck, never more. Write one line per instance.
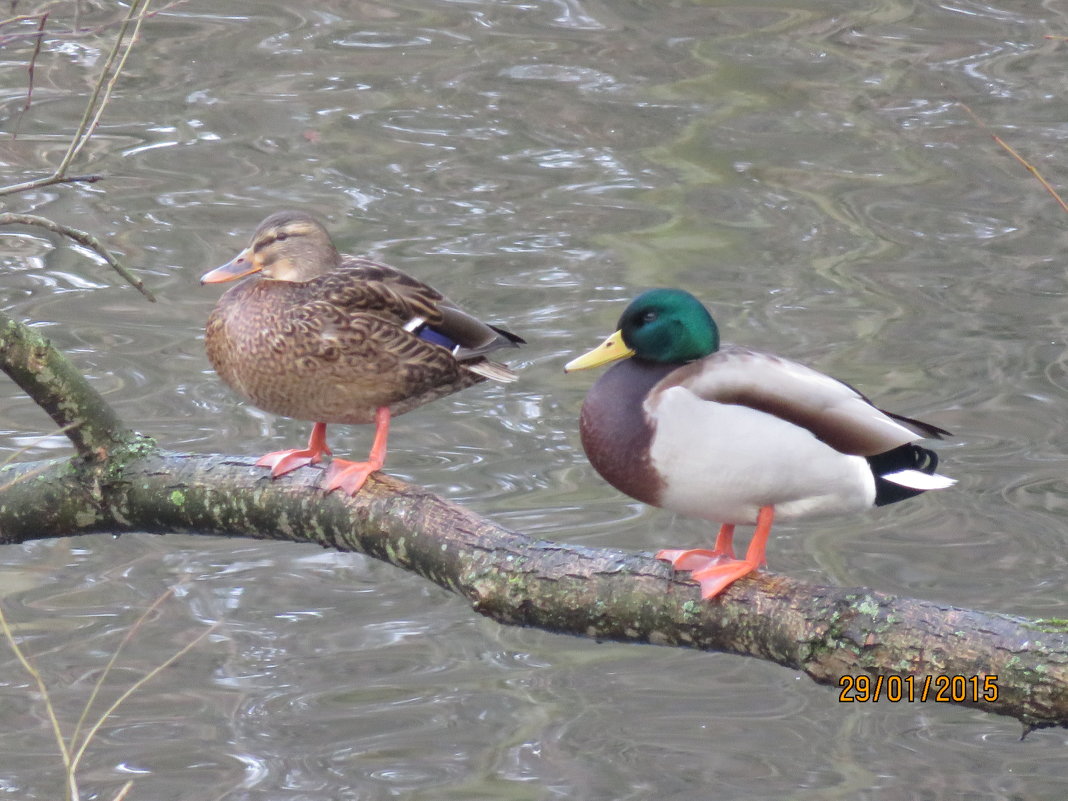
(616, 434)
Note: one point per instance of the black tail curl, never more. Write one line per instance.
(905, 457)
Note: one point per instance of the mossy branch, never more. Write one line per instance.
(832, 634)
(56, 385)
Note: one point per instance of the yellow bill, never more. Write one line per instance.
(611, 350)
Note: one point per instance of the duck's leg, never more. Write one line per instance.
(698, 558)
(714, 579)
(282, 462)
(350, 476)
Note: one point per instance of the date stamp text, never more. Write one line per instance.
(942, 689)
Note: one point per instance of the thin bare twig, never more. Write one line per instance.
(1012, 152)
(29, 72)
(76, 759)
(41, 688)
(94, 110)
(49, 180)
(91, 120)
(98, 100)
(114, 658)
(82, 238)
(72, 750)
(75, 31)
(15, 20)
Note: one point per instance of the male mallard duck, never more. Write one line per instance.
(337, 339)
(736, 436)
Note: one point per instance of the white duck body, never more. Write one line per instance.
(739, 430)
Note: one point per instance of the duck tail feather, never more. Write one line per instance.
(914, 479)
(491, 370)
(904, 472)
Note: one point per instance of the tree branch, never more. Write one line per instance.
(38, 38)
(93, 110)
(82, 238)
(49, 180)
(832, 634)
(47, 376)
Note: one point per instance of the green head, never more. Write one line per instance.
(668, 326)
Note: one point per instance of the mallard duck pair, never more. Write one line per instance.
(721, 433)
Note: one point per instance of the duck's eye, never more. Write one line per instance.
(649, 317)
(281, 237)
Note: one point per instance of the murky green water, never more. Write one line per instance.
(805, 167)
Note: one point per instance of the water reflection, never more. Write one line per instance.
(804, 167)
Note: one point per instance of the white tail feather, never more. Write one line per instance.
(491, 370)
(914, 479)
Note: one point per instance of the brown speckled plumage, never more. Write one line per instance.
(332, 347)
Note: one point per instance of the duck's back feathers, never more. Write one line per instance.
(833, 411)
(366, 286)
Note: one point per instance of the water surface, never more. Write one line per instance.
(807, 168)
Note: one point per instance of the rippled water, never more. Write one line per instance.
(806, 167)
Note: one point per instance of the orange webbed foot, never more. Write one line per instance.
(700, 558)
(714, 579)
(348, 476)
(282, 462)
(691, 559)
(351, 476)
(717, 569)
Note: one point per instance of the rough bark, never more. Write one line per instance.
(833, 634)
(843, 637)
(47, 376)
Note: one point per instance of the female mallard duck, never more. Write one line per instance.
(736, 436)
(337, 339)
